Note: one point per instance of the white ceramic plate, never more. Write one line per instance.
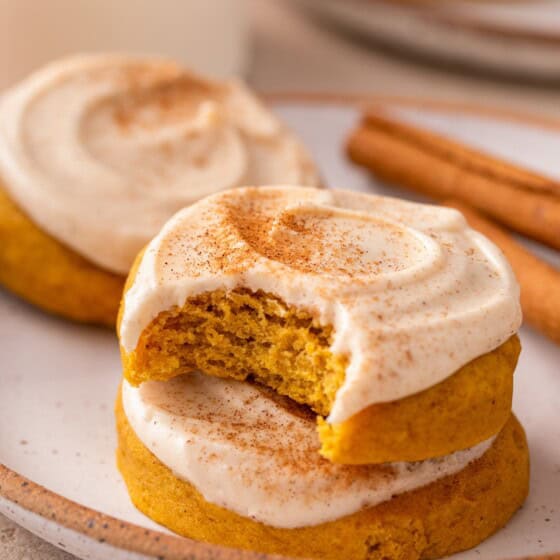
(520, 37)
(58, 381)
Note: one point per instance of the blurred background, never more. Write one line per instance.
(500, 53)
(497, 52)
(504, 54)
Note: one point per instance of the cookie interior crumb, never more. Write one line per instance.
(243, 335)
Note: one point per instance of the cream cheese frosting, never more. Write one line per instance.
(247, 450)
(101, 150)
(412, 292)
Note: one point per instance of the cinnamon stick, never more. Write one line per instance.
(441, 168)
(539, 281)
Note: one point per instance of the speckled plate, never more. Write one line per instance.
(58, 380)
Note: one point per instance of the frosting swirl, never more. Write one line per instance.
(251, 452)
(412, 292)
(101, 150)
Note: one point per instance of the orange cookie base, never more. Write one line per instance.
(44, 272)
(468, 407)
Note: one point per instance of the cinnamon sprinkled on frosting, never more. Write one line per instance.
(411, 291)
(250, 452)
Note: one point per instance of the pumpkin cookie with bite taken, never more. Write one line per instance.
(393, 322)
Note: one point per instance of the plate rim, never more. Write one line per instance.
(131, 537)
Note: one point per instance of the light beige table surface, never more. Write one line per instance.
(292, 52)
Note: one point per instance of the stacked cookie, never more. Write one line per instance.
(323, 374)
(98, 151)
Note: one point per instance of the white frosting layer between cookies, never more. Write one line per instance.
(101, 150)
(413, 293)
(256, 455)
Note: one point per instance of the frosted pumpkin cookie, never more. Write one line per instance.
(394, 322)
(226, 462)
(97, 152)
